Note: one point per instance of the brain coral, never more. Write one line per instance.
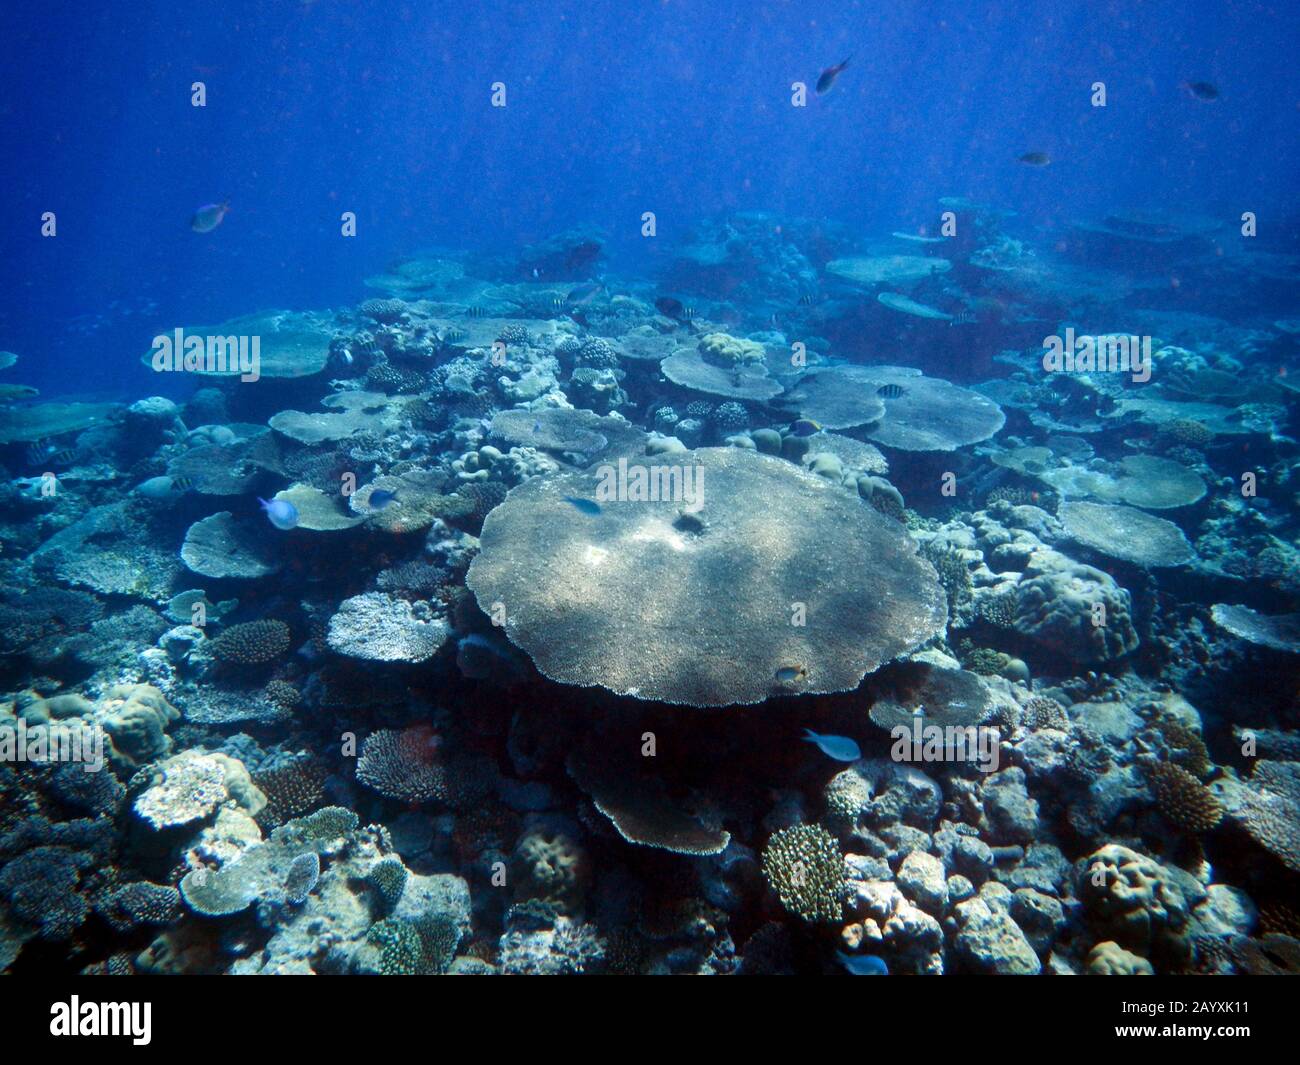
(1134, 900)
(1056, 606)
(803, 865)
(648, 600)
(722, 349)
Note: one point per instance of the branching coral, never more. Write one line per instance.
(805, 868)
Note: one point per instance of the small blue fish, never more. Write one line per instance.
(862, 964)
(790, 674)
(380, 498)
(280, 512)
(209, 216)
(587, 506)
(841, 748)
(805, 427)
(537, 427)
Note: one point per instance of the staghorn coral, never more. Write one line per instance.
(954, 574)
(292, 789)
(411, 765)
(388, 878)
(1186, 747)
(803, 865)
(39, 889)
(282, 694)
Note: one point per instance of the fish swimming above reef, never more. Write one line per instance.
(827, 79)
(13, 393)
(862, 964)
(1202, 90)
(805, 427)
(209, 216)
(380, 498)
(674, 309)
(280, 513)
(583, 294)
(164, 489)
(45, 453)
(587, 506)
(1039, 159)
(841, 748)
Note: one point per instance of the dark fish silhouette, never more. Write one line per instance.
(1202, 90)
(182, 484)
(583, 294)
(1035, 159)
(829, 75)
(675, 309)
(805, 427)
(587, 506)
(889, 391)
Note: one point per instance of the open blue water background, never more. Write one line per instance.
(614, 108)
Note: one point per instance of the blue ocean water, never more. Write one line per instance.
(612, 109)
